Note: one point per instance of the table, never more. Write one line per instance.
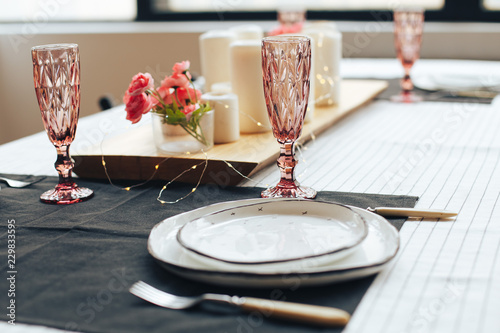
(446, 277)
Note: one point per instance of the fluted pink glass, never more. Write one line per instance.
(286, 65)
(56, 74)
(408, 26)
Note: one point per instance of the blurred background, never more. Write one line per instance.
(119, 38)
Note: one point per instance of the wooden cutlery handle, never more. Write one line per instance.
(413, 212)
(305, 313)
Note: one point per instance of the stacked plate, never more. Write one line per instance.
(274, 243)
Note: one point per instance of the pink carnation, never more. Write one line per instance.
(181, 67)
(188, 95)
(165, 94)
(175, 81)
(140, 83)
(137, 105)
(188, 110)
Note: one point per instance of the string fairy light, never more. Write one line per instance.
(128, 188)
(194, 167)
(258, 123)
(180, 175)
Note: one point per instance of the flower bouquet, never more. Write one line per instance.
(177, 104)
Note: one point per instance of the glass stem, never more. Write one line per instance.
(64, 166)
(406, 83)
(287, 163)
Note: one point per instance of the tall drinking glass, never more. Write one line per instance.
(408, 26)
(56, 74)
(286, 65)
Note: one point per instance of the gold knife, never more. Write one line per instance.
(411, 212)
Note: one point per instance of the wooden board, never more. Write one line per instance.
(132, 155)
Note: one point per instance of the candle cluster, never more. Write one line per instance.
(231, 63)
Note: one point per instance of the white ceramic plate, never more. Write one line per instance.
(273, 232)
(371, 256)
(455, 81)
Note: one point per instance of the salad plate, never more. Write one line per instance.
(274, 232)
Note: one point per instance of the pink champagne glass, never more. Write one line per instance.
(408, 26)
(56, 74)
(286, 65)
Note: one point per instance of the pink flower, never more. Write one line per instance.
(181, 67)
(140, 83)
(175, 81)
(137, 105)
(189, 109)
(165, 94)
(286, 29)
(188, 95)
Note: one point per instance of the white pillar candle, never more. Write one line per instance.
(248, 31)
(226, 116)
(224, 87)
(327, 61)
(214, 56)
(246, 81)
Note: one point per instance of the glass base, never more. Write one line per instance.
(406, 98)
(175, 140)
(289, 191)
(65, 195)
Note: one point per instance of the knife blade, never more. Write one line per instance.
(411, 212)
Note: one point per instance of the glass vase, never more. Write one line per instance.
(176, 140)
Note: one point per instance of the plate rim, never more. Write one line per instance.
(176, 268)
(269, 262)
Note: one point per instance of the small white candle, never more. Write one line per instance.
(327, 64)
(226, 116)
(214, 56)
(246, 81)
(248, 31)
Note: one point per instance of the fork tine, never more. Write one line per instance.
(146, 291)
(158, 297)
(152, 292)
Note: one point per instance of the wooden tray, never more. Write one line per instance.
(133, 156)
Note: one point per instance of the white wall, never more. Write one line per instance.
(112, 53)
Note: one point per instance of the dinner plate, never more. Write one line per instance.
(371, 256)
(455, 81)
(274, 232)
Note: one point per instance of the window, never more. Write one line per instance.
(491, 4)
(67, 10)
(268, 5)
(181, 10)
(436, 10)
